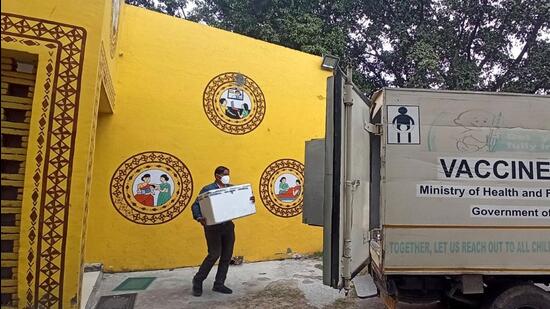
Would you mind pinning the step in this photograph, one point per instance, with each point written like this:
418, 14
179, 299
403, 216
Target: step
17, 131
10, 204
17, 177
15, 99
90, 284
19, 81
15, 157
9, 263
11, 150
16, 105
19, 75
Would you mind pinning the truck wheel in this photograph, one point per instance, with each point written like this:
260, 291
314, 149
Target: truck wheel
522, 297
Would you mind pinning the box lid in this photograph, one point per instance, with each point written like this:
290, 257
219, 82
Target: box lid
223, 190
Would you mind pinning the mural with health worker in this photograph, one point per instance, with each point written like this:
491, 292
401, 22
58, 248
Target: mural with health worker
122, 116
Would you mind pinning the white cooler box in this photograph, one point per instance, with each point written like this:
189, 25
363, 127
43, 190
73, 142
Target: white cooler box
226, 204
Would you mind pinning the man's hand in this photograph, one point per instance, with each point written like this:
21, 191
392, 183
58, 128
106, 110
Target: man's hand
253, 199
202, 220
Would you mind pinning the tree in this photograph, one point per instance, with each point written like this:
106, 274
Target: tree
296, 24
490, 45
170, 7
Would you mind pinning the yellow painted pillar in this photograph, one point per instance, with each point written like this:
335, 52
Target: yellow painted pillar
56, 178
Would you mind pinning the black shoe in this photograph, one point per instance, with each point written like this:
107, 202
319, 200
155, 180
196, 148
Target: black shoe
197, 288
222, 289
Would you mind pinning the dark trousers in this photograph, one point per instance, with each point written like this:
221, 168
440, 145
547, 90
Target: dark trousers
220, 239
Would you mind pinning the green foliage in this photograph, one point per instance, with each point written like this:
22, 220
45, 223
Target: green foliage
489, 45
170, 7
296, 24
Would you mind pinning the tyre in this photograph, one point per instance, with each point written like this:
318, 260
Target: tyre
522, 297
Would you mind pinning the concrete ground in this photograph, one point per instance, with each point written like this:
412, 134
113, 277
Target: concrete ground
273, 284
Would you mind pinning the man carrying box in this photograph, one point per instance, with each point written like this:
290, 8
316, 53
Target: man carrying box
220, 239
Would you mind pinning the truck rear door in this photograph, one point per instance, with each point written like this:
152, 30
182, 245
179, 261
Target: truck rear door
346, 182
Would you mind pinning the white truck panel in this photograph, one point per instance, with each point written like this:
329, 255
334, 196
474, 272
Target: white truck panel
466, 167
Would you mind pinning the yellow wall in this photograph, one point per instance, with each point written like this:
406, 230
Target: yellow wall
149, 96
76, 17
163, 68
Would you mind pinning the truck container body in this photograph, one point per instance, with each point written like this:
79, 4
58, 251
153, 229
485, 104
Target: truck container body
435, 194
466, 188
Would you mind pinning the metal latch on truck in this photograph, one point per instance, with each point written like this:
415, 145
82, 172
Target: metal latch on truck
374, 128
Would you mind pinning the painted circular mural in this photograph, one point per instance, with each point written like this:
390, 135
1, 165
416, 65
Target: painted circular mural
234, 103
281, 187
151, 188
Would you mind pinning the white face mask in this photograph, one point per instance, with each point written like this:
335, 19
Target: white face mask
225, 179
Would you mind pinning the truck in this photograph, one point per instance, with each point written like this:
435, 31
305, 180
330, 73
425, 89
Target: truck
428, 195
